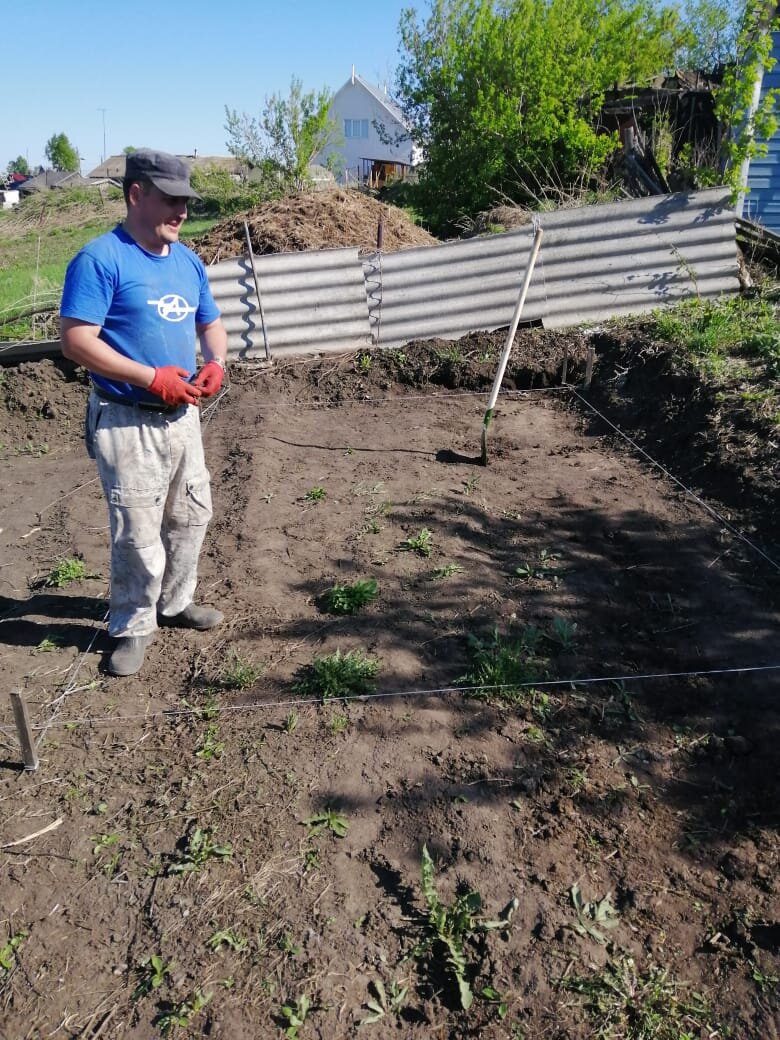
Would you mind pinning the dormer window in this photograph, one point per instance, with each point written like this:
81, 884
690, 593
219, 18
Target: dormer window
356, 128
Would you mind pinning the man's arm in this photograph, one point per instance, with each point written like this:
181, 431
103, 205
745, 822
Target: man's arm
213, 341
81, 342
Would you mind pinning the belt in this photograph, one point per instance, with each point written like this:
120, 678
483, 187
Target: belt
160, 409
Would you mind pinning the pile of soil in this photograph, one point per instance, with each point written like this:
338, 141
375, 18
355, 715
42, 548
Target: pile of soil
312, 220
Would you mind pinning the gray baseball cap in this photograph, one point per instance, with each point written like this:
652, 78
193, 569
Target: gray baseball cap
167, 172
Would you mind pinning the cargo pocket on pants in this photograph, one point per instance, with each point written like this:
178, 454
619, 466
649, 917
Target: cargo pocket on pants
198, 502
137, 516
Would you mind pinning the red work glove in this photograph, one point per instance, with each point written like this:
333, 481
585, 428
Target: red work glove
209, 378
170, 383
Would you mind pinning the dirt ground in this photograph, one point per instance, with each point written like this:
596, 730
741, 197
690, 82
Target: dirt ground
228, 856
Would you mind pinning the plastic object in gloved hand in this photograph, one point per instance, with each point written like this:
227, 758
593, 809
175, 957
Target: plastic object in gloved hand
209, 378
170, 383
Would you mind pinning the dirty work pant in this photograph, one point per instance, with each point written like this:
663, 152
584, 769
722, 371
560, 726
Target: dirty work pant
159, 503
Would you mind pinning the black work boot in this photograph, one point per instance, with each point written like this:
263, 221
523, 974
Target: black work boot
193, 616
128, 655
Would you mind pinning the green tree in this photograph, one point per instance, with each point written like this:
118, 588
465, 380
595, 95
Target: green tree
502, 95
747, 126
61, 153
289, 134
19, 165
709, 40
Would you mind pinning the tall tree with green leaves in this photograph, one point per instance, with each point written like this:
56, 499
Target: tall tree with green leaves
503, 95
19, 165
288, 135
62, 154
749, 121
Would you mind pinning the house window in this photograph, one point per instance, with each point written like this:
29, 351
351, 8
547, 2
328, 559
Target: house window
356, 128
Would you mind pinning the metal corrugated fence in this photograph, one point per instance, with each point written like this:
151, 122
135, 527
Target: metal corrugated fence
596, 262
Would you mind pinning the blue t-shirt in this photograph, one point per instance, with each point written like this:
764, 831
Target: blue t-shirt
146, 305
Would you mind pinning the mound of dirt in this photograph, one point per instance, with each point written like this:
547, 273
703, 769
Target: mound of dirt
312, 220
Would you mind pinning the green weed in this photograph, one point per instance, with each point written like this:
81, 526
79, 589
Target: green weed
421, 543
240, 674
449, 570
327, 820
226, 937
181, 1014
315, 494
339, 675
48, 644
198, 850
448, 928
8, 951
349, 599
593, 918
211, 746
290, 723
151, 973
504, 668
66, 573
625, 1004
382, 1003
295, 1014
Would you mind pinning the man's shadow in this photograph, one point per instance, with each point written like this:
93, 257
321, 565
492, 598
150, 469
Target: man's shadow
74, 620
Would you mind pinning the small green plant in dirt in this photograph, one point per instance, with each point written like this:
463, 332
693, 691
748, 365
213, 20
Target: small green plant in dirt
421, 543
564, 633
48, 644
8, 950
338, 724
593, 918
239, 673
542, 568
327, 820
295, 1014
766, 983
632, 1005
449, 570
151, 973
65, 573
449, 928
290, 723
103, 843
315, 494
504, 667
180, 1015
204, 712
211, 746
226, 937
198, 850
339, 675
349, 599
383, 1002
364, 362
30, 448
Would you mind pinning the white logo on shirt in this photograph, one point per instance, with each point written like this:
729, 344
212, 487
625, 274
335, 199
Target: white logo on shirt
172, 307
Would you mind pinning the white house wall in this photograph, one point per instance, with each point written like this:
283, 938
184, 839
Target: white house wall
353, 101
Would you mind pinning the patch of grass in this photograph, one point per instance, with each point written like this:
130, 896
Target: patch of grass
714, 333
240, 674
503, 668
626, 1004
421, 543
339, 675
315, 494
349, 599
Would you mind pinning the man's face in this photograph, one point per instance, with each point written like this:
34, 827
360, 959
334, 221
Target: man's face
157, 215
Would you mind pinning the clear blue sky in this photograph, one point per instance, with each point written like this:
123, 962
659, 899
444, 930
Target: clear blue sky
164, 70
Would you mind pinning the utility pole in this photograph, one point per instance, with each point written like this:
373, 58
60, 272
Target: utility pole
103, 156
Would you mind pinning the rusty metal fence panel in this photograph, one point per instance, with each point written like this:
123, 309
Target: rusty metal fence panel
313, 302
596, 262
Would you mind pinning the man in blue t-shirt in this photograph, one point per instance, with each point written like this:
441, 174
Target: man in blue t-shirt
134, 304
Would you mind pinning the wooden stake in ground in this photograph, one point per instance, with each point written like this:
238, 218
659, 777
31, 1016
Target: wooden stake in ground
29, 754
510, 340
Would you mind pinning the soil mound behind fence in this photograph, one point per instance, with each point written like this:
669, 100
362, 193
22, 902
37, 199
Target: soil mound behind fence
312, 220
